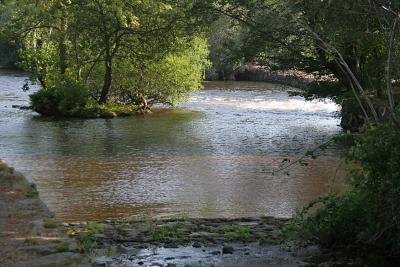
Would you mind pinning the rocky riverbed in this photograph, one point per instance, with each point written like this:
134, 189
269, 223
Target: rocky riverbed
191, 242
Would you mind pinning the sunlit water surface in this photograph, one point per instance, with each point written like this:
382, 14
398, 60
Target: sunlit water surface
213, 157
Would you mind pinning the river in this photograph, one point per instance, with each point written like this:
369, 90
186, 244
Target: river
211, 157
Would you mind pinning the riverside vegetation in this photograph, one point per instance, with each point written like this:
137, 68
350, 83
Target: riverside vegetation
108, 58
92, 58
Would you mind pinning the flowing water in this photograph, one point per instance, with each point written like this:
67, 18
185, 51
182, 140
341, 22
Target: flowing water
211, 157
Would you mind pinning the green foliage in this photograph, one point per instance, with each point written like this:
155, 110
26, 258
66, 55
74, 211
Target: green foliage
88, 241
237, 233
8, 53
71, 99
50, 224
87, 238
66, 99
95, 227
62, 247
100, 44
167, 80
366, 214
174, 231
225, 44
8, 46
120, 110
40, 64
337, 223
323, 89
282, 35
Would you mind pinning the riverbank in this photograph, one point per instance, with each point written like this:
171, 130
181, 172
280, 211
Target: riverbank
191, 242
200, 242
31, 236
29, 233
292, 78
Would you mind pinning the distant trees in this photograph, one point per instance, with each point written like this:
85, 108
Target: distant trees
281, 32
226, 43
8, 48
356, 41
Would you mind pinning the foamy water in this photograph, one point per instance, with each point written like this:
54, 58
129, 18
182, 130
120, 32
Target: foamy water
272, 104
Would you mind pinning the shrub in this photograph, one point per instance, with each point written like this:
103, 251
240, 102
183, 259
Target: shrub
66, 99
366, 215
71, 99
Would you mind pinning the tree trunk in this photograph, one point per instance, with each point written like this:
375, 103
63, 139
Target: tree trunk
143, 102
389, 65
63, 56
107, 81
62, 47
221, 75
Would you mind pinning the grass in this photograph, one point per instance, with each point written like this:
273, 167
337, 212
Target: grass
174, 231
62, 247
237, 233
109, 110
120, 110
181, 217
95, 227
50, 224
87, 239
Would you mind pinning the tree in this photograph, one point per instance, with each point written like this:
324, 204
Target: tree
89, 43
40, 28
167, 80
225, 44
110, 31
307, 35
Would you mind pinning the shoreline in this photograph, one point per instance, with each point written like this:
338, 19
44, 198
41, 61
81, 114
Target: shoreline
293, 78
31, 236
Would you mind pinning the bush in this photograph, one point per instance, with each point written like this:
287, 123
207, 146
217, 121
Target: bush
71, 99
66, 99
366, 215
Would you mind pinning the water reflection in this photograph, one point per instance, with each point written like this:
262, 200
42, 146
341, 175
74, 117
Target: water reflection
212, 157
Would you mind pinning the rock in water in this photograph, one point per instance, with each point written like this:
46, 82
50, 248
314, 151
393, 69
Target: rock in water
227, 250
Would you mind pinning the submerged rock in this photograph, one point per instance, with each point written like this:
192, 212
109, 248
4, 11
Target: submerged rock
103, 261
227, 250
196, 245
